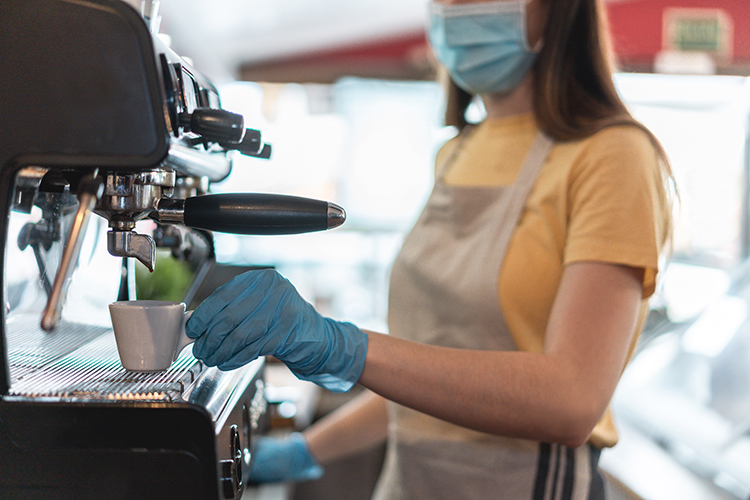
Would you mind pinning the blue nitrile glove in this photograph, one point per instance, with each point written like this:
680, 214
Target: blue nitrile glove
278, 460
260, 313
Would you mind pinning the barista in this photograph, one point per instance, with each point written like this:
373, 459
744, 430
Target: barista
516, 300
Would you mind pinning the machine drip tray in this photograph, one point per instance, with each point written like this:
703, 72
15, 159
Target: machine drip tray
80, 363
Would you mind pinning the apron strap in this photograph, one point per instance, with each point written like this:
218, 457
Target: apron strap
442, 167
521, 188
537, 156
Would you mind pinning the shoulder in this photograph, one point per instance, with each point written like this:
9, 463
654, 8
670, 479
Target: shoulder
620, 145
619, 175
619, 155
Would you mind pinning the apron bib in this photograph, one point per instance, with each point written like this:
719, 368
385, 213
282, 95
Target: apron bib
444, 291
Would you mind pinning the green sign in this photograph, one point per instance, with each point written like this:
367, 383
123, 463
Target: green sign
704, 34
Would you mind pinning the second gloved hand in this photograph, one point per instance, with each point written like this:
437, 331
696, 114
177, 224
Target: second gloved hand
260, 313
283, 459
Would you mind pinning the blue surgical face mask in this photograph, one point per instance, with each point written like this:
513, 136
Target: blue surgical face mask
483, 45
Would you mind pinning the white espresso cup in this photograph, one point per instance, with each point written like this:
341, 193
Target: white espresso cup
150, 334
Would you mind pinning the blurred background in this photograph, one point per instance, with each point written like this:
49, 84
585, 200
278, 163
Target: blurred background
344, 91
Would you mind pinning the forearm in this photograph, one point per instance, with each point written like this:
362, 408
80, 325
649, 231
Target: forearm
525, 395
357, 426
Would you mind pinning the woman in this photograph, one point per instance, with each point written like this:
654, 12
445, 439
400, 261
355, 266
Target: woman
519, 295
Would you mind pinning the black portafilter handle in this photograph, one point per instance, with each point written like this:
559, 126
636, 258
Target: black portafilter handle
252, 213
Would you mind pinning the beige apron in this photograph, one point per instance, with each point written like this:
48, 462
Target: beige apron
444, 291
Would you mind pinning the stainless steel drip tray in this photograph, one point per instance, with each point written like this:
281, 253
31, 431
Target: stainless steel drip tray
80, 363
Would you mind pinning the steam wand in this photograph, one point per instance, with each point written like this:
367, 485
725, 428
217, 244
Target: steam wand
90, 190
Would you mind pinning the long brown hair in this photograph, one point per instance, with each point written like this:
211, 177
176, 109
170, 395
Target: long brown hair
574, 92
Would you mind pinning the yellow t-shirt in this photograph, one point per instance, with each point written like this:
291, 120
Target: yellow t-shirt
596, 199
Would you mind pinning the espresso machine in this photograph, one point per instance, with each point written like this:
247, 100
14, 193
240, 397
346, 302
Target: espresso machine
109, 145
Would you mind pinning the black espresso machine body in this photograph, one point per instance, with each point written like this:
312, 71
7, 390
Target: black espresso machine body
104, 130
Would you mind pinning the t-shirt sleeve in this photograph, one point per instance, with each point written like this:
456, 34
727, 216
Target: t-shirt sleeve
617, 208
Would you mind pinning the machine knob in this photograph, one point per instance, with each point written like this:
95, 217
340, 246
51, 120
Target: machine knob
214, 125
250, 145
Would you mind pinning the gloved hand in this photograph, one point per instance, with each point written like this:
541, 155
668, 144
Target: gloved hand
280, 460
260, 313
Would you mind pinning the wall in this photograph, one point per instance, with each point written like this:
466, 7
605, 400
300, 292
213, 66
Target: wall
644, 29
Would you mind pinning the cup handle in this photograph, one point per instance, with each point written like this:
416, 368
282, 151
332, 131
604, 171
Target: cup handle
184, 339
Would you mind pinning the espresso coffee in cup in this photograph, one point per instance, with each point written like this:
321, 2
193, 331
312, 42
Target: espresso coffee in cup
150, 334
